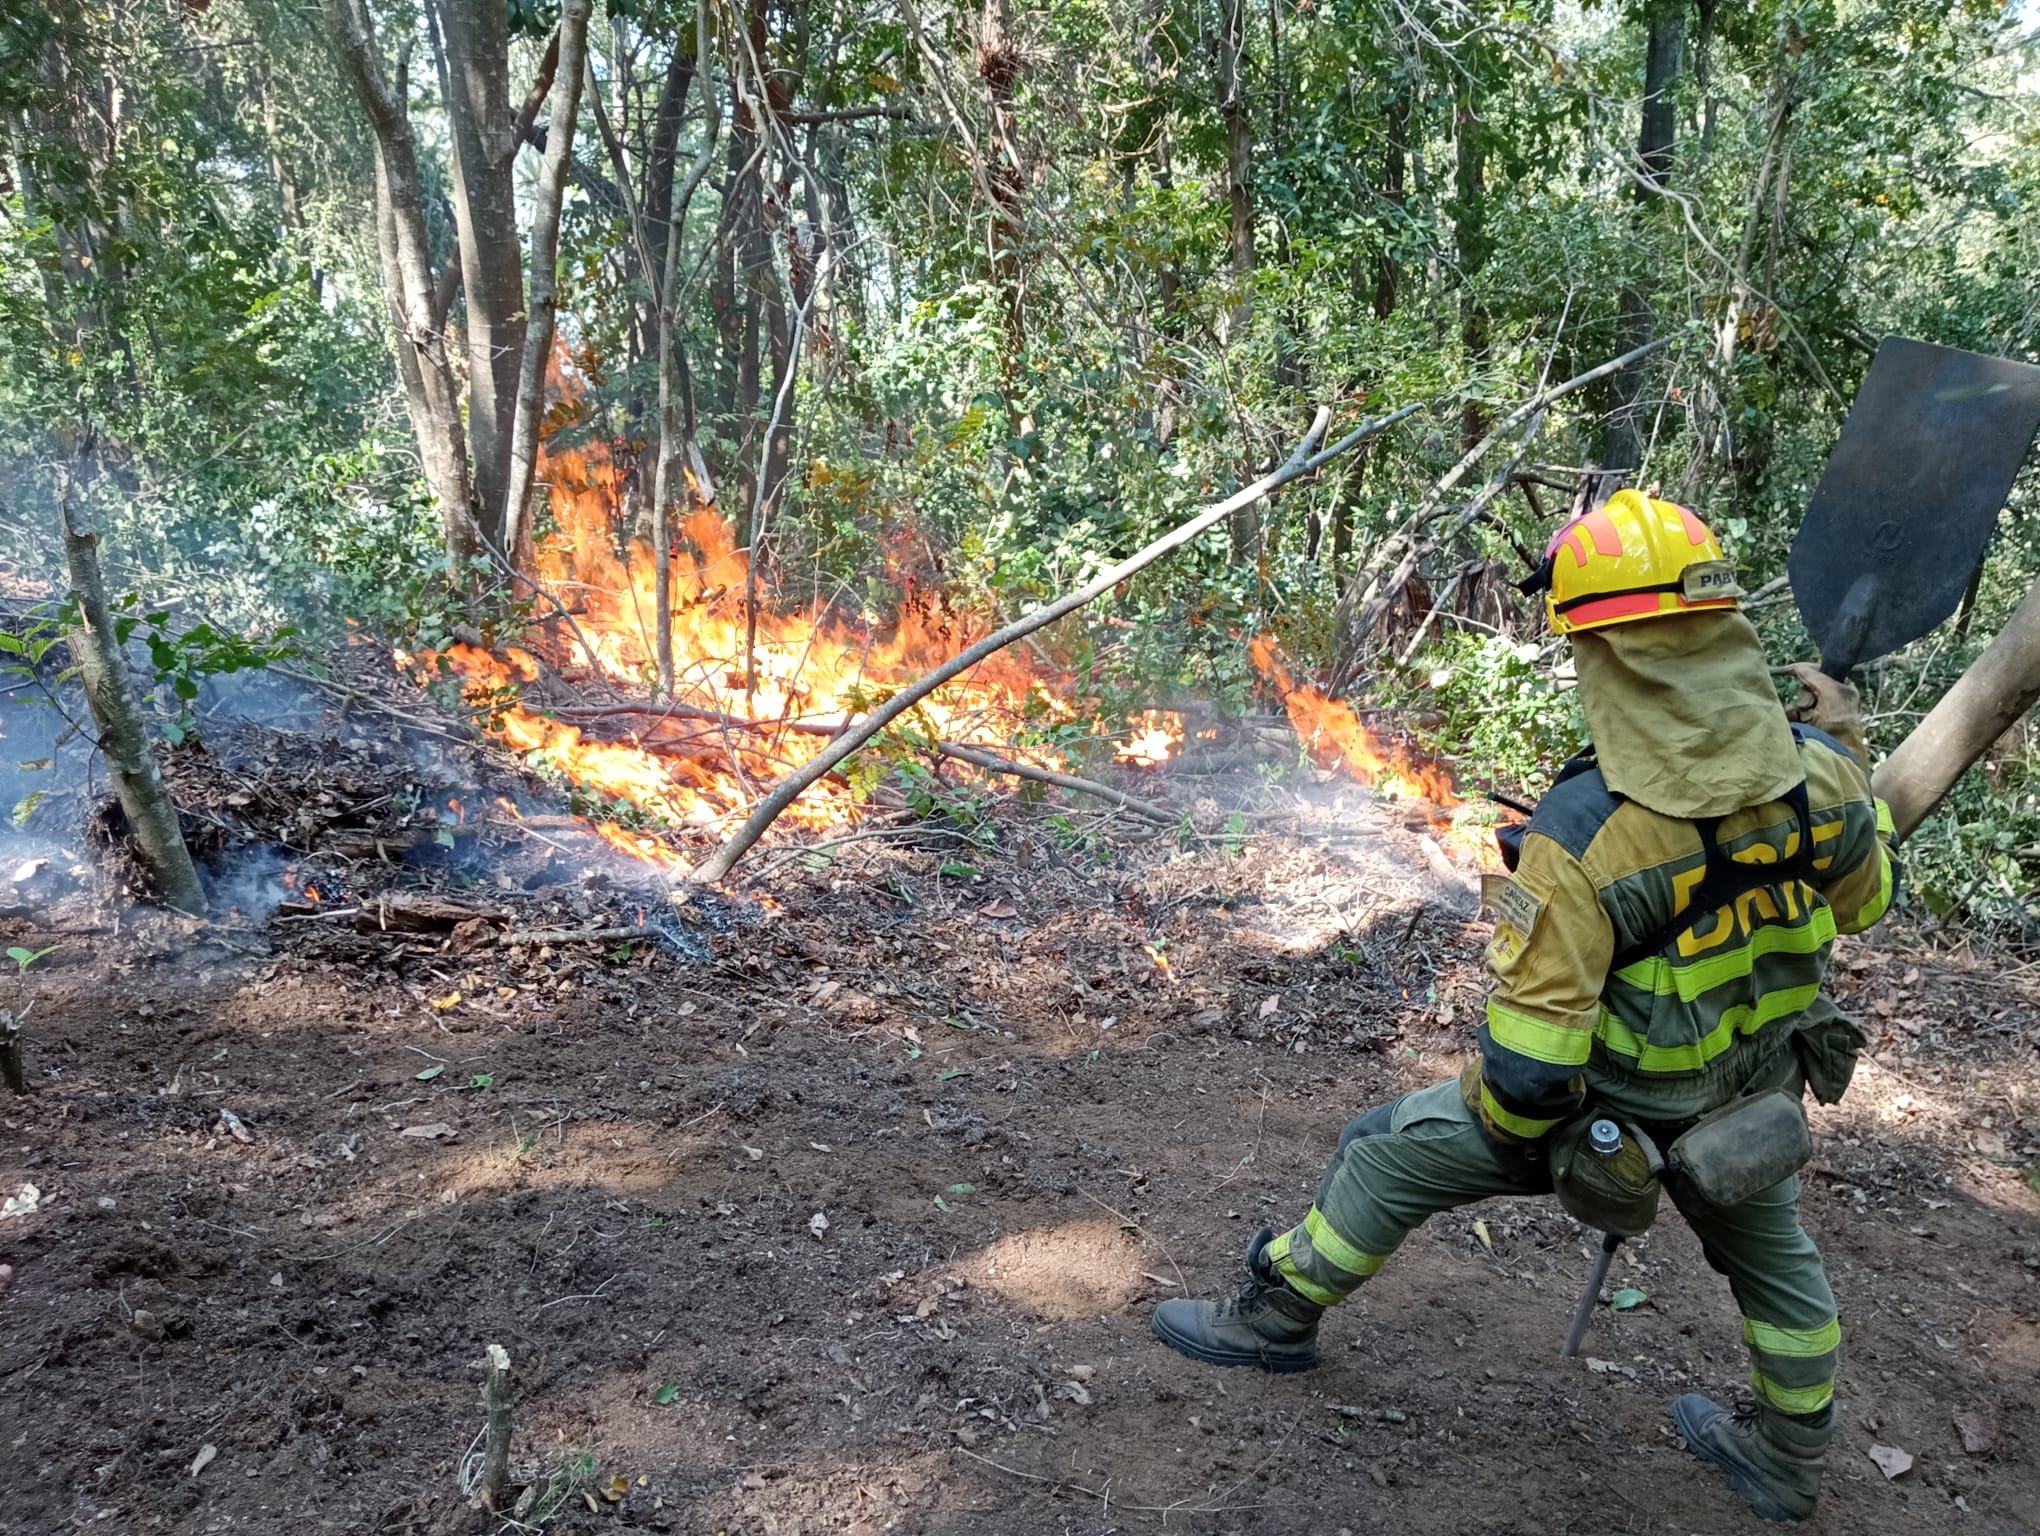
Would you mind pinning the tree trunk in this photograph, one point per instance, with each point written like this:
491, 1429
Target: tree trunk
484, 141
1999, 687
998, 64
545, 278
1387, 270
1622, 441
422, 361
676, 390
1239, 153
1470, 235
123, 734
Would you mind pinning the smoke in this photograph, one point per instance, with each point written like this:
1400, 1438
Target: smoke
251, 887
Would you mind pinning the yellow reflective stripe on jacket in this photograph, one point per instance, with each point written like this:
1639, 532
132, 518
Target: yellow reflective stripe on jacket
1525, 1127
1793, 1343
1876, 906
1331, 1246
1794, 1400
1886, 827
1560, 1045
1654, 973
1743, 1019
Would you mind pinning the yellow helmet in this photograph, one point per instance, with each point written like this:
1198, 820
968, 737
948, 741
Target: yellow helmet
1633, 557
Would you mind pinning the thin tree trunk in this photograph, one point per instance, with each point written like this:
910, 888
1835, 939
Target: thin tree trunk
1622, 439
998, 66
1470, 235
423, 363
123, 733
545, 278
1387, 270
1710, 425
1239, 154
484, 141
674, 391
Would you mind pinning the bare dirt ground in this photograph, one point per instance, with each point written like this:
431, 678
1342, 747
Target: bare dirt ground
852, 1221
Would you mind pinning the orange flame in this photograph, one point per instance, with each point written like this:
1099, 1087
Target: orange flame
1335, 738
785, 668
1155, 735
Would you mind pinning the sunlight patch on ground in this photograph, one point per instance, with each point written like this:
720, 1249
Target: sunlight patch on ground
1079, 1269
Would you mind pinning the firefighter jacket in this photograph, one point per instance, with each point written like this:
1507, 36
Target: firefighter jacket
1612, 981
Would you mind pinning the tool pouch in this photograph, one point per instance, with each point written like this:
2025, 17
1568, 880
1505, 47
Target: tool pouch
1742, 1148
1828, 1043
1617, 1192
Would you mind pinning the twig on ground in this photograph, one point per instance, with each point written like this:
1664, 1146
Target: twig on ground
1260, 1126
569, 936
357, 696
1183, 1507
1148, 1236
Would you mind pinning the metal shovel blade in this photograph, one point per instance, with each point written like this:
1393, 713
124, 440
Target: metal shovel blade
1909, 497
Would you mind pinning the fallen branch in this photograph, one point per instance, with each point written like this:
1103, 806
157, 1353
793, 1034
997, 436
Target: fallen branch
1161, 815
1368, 594
571, 936
790, 788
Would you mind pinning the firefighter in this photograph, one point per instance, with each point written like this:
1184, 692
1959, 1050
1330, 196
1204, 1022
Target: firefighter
1656, 961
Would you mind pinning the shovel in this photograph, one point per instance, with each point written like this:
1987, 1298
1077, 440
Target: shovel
1910, 496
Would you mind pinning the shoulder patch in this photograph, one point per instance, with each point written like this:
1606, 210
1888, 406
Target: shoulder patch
1516, 914
1512, 902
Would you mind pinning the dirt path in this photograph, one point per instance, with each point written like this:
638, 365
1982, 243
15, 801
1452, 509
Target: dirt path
856, 1226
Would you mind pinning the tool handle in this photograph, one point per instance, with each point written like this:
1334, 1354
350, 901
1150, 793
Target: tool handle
1584, 1312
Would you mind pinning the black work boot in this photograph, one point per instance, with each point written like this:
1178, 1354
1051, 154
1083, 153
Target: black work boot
1772, 1459
1266, 1323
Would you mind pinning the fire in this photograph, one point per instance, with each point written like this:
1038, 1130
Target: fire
759, 691
1156, 733
1334, 736
312, 894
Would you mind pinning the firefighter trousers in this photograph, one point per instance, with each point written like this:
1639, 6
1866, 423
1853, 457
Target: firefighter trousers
1426, 1152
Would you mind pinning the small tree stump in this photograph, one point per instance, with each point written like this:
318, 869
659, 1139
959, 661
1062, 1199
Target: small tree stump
496, 1445
11, 1067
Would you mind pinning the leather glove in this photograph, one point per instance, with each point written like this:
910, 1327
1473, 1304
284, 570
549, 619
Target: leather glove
1830, 706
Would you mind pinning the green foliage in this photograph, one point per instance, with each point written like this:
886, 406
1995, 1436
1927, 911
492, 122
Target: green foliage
24, 958
1494, 702
181, 656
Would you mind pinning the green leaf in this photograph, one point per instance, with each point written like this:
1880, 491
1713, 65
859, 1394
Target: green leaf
27, 957
963, 1189
173, 732
11, 644
665, 1392
1629, 1296
952, 1072
185, 688
942, 1204
444, 837
25, 807
482, 1080
432, 1071
959, 871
